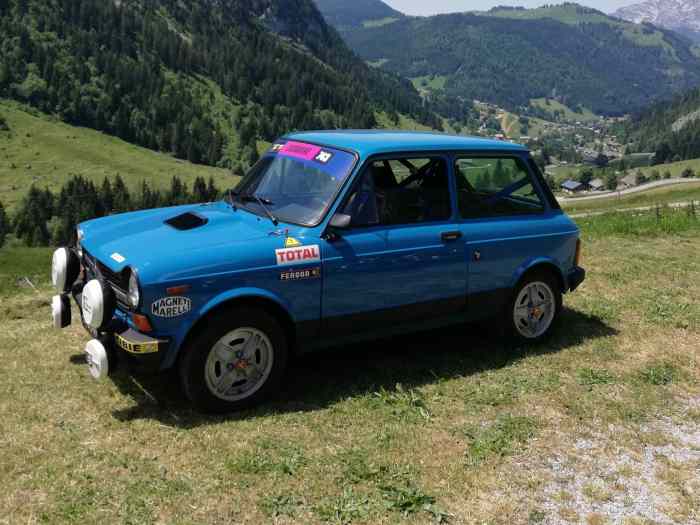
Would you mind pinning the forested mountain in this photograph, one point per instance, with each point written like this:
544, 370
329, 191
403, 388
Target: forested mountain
203, 79
670, 129
344, 14
509, 56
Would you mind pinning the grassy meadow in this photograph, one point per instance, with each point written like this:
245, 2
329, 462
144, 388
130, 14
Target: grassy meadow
45, 152
599, 425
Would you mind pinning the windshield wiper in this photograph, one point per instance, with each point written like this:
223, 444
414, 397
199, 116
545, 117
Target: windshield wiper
263, 202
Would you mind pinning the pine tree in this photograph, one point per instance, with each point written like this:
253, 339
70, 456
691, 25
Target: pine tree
4, 225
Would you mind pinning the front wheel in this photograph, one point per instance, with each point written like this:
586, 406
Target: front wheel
534, 308
236, 363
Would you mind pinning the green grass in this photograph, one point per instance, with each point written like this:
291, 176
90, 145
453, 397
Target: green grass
647, 223
510, 123
569, 115
429, 83
499, 438
567, 14
377, 63
41, 151
405, 123
379, 22
451, 425
19, 263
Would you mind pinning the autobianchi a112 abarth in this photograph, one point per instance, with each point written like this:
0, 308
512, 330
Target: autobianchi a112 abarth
330, 238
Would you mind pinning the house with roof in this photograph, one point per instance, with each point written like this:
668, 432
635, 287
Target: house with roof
597, 185
572, 186
628, 181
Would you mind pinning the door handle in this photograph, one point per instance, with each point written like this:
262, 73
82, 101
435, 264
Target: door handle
451, 236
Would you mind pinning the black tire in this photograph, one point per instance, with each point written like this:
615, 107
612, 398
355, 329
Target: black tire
542, 276
193, 360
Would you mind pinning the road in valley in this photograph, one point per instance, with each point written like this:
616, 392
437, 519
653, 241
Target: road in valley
637, 189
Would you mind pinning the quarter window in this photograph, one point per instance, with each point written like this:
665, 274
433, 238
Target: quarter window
491, 187
400, 191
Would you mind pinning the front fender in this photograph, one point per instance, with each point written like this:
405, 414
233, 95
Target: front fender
209, 306
539, 261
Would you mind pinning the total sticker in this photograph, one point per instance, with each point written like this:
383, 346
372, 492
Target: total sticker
302, 254
170, 307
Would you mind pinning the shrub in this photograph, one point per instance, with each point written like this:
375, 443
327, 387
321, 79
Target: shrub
688, 173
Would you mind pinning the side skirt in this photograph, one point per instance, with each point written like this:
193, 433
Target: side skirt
354, 328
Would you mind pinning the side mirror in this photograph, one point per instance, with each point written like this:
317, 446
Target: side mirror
340, 221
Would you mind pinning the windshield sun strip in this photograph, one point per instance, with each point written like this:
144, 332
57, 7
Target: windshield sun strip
260, 213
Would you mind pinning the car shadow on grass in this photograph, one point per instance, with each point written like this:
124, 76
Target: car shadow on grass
319, 380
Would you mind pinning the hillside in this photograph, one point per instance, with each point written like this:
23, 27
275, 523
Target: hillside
670, 129
506, 56
203, 80
36, 150
341, 13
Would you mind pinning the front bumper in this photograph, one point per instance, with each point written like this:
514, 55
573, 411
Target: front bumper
143, 353
576, 278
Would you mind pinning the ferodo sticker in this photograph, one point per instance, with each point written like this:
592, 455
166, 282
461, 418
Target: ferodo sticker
300, 275
170, 307
301, 254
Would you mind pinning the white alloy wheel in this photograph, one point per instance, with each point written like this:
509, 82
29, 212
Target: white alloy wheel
239, 364
534, 310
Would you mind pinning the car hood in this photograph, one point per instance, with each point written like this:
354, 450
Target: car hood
140, 238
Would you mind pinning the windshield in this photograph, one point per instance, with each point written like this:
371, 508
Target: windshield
294, 181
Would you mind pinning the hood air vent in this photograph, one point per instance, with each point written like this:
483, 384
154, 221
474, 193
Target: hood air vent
187, 221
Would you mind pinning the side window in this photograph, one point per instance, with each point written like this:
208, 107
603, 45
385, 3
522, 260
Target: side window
492, 187
400, 191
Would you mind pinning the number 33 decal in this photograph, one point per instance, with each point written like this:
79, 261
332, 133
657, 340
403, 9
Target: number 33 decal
323, 157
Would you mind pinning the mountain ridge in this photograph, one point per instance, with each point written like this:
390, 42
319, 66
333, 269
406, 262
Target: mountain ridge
679, 15
505, 56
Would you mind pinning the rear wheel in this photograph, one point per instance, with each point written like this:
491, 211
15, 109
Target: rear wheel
236, 363
535, 307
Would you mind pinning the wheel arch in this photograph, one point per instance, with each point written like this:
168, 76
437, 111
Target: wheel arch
251, 299
536, 265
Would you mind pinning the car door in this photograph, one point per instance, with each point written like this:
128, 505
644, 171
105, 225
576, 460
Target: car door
505, 223
401, 259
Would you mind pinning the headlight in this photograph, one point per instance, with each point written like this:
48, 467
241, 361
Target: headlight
134, 292
65, 268
98, 304
79, 236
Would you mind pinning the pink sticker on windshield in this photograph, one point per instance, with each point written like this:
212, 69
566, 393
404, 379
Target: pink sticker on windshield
300, 150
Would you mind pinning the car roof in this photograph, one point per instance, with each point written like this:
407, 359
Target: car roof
373, 142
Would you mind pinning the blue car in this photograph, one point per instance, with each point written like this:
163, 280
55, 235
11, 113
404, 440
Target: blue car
332, 237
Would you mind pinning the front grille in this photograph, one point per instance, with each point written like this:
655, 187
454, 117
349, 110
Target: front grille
119, 282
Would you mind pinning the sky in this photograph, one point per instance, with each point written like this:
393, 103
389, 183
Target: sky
421, 7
